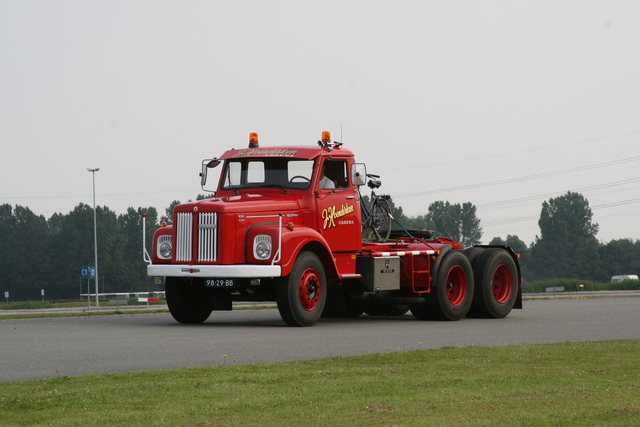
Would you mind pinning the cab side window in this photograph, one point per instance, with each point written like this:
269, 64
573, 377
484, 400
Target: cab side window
334, 174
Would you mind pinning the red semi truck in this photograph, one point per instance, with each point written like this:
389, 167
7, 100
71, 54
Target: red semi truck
288, 224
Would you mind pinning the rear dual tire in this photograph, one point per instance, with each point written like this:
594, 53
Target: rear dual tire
496, 278
452, 295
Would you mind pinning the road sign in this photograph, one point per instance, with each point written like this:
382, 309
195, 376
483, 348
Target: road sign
88, 272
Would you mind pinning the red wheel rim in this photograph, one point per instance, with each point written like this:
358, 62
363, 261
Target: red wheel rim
309, 289
456, 285
502, 283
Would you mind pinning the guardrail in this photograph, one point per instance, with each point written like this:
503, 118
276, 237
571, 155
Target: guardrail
115, 295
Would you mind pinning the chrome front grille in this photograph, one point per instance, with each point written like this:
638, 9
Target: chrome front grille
207, 237
184, 236
207, 233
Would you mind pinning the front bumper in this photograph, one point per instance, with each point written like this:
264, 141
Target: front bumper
246, 271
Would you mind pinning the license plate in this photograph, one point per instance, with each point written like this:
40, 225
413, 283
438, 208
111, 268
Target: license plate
219, 283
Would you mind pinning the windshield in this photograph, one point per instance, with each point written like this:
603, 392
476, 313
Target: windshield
267, 172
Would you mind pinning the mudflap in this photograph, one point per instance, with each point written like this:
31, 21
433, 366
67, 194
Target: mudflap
518, 302
335, 297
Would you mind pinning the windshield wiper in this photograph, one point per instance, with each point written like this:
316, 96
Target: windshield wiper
274, 186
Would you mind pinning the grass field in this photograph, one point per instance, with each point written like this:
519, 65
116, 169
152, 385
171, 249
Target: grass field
573, 384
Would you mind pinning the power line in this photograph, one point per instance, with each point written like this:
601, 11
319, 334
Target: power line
509, 221
619, 215
516, 230
520, 179
613, 204
602, 206
545, 196
530, 217
516, 152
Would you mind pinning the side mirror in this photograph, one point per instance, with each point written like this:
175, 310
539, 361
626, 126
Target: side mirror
207, 164
359, 174
203, 174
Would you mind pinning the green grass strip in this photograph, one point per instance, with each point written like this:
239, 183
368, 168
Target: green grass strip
569, 384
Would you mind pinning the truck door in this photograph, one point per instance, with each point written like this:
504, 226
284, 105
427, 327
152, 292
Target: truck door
338, 207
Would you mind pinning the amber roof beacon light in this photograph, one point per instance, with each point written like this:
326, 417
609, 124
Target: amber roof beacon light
253, 140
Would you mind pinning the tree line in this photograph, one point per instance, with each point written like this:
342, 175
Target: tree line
38, 253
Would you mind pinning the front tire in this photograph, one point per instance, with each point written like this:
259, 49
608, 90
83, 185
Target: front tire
187, 303
302, 295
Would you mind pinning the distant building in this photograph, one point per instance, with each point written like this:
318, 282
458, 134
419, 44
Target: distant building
624, 277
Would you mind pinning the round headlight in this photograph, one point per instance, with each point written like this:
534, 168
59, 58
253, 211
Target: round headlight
263, 250
165, 250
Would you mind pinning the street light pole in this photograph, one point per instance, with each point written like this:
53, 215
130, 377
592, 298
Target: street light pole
95, 230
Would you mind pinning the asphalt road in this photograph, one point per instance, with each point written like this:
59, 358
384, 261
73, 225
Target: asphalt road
71, 346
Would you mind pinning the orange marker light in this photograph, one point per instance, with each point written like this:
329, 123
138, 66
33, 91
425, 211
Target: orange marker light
253, 140
290, 226
326, 136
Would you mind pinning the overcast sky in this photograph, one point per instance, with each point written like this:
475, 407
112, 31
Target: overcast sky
500, 103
